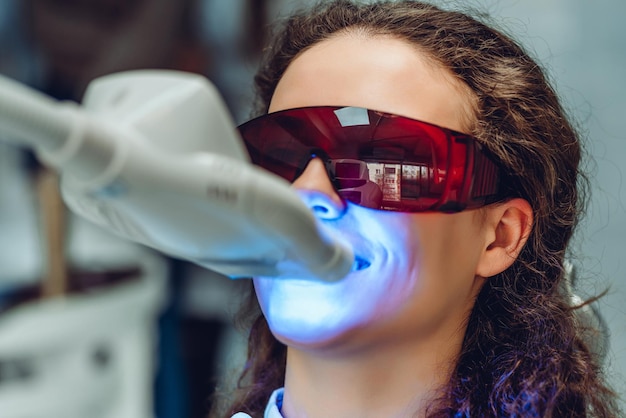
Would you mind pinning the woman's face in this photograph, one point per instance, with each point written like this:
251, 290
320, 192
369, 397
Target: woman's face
421, 279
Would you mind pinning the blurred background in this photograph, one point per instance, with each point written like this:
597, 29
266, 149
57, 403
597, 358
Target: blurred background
94, 326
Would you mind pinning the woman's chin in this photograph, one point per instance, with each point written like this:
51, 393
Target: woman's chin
309, 335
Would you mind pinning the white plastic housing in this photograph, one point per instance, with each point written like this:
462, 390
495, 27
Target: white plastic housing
155, 156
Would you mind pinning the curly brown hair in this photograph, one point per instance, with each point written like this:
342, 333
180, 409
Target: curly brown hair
523, 354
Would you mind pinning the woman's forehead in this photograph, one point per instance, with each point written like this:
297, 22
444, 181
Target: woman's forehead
378, 72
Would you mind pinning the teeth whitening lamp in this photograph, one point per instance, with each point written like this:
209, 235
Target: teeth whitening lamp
155, 157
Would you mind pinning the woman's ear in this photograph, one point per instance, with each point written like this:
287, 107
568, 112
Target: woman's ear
508, 226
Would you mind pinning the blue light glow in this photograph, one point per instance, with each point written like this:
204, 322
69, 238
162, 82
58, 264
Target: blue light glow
306, 312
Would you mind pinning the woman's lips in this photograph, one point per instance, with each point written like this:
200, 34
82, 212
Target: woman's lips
365, 252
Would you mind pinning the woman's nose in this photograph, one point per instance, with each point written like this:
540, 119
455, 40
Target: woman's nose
317, 191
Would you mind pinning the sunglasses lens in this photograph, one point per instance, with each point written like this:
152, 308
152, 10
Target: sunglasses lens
374, 159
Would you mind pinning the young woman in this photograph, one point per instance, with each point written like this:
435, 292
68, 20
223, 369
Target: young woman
435, 147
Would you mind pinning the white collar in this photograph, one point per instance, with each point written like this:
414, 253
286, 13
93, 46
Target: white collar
275, 404
272, 410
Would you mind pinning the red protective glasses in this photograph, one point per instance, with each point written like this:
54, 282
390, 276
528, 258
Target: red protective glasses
375, 159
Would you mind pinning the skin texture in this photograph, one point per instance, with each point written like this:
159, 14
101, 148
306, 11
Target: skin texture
385, 337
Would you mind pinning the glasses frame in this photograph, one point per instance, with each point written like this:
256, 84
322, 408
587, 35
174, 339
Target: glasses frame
457, 172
